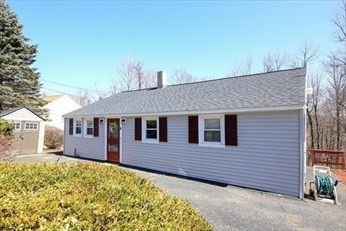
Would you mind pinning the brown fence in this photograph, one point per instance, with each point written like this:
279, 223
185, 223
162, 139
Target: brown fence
330, 158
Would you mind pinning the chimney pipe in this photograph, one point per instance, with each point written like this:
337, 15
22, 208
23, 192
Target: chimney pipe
161, 79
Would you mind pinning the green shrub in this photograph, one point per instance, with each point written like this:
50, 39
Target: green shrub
87, 197
6, 128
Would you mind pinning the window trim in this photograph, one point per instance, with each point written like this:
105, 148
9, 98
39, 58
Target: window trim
85, 130
75, 126
31, 129
144, 129
201, 129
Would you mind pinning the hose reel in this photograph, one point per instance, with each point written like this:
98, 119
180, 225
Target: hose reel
324, 189
325, 186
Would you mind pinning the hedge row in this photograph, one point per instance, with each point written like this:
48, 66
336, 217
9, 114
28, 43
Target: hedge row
87, 197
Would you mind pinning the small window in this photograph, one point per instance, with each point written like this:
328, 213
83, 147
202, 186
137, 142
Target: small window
212, 130
151, 129
16, 126
78, 127
89, 127
31, 126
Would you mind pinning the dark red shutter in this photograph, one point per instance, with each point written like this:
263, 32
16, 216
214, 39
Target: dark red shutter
71, 126
193, 129
163, 129
231, 130
96, 127
138, 128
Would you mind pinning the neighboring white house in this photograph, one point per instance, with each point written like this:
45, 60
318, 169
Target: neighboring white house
28, 129
59, 105
245, 130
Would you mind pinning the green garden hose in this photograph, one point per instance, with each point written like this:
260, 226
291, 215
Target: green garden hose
325, 186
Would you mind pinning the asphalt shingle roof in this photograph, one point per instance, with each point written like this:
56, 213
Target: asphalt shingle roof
275, 89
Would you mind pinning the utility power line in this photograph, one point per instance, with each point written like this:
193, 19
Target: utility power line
71, 86
61, 92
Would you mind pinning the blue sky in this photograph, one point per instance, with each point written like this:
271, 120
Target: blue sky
82, 42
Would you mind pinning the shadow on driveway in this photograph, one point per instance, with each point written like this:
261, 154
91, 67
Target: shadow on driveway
235, 208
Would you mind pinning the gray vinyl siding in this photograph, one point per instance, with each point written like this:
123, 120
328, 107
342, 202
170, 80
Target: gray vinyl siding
266, 158
87, 147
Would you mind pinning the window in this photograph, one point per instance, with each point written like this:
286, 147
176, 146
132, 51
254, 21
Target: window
89, 127
78, 127
31, 126
211, 130
150, 130
16, 126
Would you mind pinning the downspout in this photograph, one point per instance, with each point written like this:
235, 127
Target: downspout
65, 130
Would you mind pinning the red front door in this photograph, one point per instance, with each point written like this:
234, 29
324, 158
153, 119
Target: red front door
113, 147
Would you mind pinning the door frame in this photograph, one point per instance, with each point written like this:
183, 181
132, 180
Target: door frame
120, 137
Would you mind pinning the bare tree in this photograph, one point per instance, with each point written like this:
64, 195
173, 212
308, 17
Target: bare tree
242, 68
336, 72
98, 94
313, 111
339, 20
274, 61
181, 76
306, 53
113, 87
132, 75
149, 79
126, 74
83, 97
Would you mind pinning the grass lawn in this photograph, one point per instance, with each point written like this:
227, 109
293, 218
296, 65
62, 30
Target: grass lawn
88, 197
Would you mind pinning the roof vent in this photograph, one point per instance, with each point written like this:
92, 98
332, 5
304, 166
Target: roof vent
161, 79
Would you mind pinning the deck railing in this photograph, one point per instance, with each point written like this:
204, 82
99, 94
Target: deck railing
330, 158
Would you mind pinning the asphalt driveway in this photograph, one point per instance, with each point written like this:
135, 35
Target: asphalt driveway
234, 208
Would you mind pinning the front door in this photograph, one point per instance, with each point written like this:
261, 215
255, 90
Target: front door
113, 147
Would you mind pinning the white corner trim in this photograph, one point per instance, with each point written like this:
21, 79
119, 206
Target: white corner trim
106, 136
120, 141
302, 152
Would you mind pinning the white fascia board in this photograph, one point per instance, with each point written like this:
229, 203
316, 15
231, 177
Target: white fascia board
218, 111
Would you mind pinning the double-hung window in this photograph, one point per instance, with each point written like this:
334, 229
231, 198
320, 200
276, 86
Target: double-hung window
211, 132
150, 129
78, 127
89, 127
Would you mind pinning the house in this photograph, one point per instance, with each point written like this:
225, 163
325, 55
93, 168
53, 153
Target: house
28, 129
57, 106
247, 131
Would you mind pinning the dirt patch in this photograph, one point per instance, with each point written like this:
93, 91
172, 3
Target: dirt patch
340, 174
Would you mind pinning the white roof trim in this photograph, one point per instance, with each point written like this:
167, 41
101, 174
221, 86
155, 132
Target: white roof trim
220, 111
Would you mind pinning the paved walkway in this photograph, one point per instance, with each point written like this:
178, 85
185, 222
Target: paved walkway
234, 208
